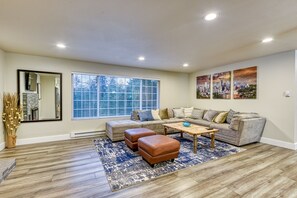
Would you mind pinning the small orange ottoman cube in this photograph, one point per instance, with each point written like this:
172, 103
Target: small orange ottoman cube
158, 148
132, 136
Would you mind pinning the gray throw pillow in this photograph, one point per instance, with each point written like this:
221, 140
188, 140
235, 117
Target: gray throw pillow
145, 116
197, 114
230, 116
209, 115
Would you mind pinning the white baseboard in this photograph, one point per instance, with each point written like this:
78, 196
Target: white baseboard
2, 146
279, 143
42, 139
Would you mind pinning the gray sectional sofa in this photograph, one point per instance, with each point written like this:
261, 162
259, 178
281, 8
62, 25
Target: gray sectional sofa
244, 128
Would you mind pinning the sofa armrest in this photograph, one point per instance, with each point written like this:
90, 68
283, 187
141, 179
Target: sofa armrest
251, 130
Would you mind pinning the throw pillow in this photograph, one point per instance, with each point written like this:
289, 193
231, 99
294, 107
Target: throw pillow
230, 116
155, 114
209, 115
179, 113
170, 113
145, 116
134, 115
163, 114
188, 111
197, 114
221, 117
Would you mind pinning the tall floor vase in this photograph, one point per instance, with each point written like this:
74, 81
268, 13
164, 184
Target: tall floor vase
11, 140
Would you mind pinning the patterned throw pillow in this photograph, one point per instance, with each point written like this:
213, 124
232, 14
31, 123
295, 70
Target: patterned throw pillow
134, 115
197, 114
179, 113
164, 114
188, 111
209, 115
230, 116
221, 117
155, 114
145, 116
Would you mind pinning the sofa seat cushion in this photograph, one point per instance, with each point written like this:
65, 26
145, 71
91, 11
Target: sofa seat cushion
198, 121
152, 122
173, 120
122, 123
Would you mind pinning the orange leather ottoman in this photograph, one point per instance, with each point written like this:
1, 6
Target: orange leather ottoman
132, 136
158, 148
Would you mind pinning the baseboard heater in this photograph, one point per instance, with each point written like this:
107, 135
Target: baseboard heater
86, 134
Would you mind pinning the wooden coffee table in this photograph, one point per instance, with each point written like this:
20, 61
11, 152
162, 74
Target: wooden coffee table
194, 130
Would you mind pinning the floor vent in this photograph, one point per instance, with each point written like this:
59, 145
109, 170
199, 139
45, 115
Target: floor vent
86, 134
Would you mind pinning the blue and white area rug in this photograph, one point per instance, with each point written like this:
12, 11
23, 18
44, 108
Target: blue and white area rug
124, 168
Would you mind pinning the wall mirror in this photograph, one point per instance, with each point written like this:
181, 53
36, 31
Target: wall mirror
40, 95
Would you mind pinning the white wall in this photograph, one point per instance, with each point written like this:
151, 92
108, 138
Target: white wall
276, 73
1, 97
173, 86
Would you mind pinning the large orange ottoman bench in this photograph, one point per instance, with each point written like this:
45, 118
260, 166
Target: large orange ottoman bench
132, 136
158, 148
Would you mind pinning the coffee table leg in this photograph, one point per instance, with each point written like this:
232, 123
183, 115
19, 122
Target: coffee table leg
195, 143
212, 135
181, 134
165, 130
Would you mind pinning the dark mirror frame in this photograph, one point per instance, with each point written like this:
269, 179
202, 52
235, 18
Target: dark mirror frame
61, 106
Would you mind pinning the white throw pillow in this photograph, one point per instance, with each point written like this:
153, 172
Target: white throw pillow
155, 114
188, 111
179, 113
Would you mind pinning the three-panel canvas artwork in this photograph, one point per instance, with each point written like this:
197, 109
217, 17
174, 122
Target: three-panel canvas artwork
219, 86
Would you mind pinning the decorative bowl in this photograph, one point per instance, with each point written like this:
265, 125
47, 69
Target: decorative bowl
186, 124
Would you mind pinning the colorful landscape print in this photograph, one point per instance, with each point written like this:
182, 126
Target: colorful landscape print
245, 83
203, 87
221, 85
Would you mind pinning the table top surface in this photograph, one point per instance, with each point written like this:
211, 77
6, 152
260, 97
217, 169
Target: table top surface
192, 129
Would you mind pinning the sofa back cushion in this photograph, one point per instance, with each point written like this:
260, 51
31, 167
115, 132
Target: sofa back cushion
197, 114
163, 114
209, 115
221, 117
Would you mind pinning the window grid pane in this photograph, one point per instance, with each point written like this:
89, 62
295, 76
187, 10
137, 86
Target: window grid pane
84, 95
104, 96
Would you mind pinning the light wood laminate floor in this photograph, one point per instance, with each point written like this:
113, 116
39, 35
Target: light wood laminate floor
72, 169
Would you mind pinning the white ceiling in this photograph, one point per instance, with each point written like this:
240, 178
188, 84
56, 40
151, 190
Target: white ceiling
167, 32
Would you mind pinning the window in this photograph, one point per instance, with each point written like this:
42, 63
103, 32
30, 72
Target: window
107, 96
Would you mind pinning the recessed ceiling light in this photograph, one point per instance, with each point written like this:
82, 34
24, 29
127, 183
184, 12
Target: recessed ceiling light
61, 45
141, 58
267, 40
210, 16
185, 65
